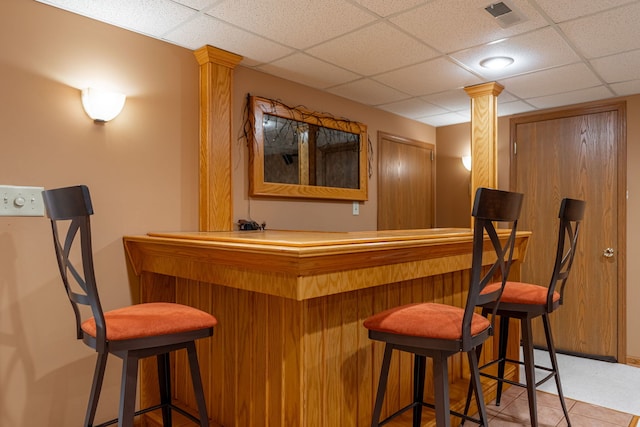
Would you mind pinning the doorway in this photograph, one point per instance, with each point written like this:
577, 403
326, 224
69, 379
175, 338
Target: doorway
578, 153
405, 183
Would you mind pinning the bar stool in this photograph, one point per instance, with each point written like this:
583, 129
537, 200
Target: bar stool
130, 333
438, 331
525, 301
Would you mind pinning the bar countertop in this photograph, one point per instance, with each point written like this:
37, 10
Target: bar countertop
307, 263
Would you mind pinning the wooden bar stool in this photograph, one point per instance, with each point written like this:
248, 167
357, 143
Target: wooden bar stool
130, 333
525, 301
438, 331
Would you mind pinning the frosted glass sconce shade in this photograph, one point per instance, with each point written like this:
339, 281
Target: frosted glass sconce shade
466, 162
101, 105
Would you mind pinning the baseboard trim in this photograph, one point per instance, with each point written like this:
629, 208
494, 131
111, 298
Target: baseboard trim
633, 361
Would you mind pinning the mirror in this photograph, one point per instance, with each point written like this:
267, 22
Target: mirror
299, 153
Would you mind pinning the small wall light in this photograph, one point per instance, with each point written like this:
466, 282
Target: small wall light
101, 105
466, 162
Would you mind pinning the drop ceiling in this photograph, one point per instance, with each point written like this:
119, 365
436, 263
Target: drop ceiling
408, 57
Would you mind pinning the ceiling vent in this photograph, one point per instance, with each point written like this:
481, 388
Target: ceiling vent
505, 14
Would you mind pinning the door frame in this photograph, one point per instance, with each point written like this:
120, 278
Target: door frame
620, 107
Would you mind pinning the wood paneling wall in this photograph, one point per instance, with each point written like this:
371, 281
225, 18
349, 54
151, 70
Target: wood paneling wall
279, 362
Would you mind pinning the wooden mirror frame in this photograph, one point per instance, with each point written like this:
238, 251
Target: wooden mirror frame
257, 185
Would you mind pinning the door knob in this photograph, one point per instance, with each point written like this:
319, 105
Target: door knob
608, 253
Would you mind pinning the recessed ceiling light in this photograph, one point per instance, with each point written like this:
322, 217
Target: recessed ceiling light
496, 62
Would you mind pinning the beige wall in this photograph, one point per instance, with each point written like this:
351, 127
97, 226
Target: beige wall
453, 140
142, 169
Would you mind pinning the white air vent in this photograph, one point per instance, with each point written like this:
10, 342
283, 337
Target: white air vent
505, 14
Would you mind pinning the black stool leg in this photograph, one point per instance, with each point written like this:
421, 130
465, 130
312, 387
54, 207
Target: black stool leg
502, 354
382, 385
197, 384
441, 389
164, 380
467, 404
419, 368
477, 385
529, 368
554, 364
128, 390
96, 387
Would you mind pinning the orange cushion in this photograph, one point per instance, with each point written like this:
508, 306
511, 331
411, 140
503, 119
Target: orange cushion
522, 293
428, 320
151, 319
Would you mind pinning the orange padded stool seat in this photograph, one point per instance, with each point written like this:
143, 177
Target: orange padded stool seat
526, 301
438, 331
130, 333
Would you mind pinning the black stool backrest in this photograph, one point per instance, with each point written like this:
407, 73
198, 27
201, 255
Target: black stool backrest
571, 215
71, 208
490, 207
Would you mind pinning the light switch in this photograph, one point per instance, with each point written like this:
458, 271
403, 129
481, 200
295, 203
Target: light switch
356, 208
21, 201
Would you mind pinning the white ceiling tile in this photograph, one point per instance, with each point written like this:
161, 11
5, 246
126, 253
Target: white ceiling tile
389, 7
561, 11
556, 80
605, 33
368, 92
309, 71
207, 30
445, 119
619, 68
453, 100
505, 96
147, 17
373, 49
429, 77
540, 49
295, 23
573, 97
626, 88
412, 108
515, 107
452, 25
197, 4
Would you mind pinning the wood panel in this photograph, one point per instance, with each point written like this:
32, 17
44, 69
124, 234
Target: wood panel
216, 89
484, 135
580, 152
405, 183
265, 348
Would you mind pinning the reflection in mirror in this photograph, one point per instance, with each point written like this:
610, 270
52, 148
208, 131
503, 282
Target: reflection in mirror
297, 153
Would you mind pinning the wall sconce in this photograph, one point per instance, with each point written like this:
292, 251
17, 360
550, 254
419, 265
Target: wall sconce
101, 105
466, 162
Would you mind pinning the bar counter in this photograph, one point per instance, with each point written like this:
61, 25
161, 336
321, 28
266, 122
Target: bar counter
290, 348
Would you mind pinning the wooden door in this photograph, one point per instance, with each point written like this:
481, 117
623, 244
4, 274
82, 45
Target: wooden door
405, 183
577, 153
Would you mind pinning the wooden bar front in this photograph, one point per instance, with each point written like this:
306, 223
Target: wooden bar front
290, 348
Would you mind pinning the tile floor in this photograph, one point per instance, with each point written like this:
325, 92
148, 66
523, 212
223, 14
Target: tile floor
514, 411
596, 393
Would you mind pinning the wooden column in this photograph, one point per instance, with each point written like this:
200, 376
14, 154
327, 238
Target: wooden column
216, 114
484, 135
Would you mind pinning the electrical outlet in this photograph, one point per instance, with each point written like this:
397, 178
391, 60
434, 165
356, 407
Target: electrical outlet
21, 201
356, 208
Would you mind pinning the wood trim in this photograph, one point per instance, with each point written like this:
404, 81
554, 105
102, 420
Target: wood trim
216, 114
304, 272
619, 106
484, 135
